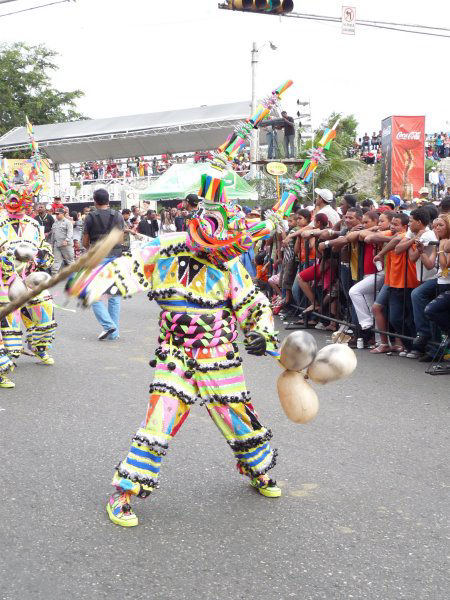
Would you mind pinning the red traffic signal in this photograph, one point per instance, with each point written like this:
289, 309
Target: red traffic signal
274, 7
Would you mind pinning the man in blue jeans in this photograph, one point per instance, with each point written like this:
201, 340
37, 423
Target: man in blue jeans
99, 223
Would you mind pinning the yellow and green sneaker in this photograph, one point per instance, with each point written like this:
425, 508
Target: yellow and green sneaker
45, 358
266, 486
120, 511
6, 383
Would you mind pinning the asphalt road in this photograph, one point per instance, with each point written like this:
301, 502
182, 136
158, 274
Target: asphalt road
365, 505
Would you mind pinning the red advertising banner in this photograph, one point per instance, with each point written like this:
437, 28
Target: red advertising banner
408, 156
386, 157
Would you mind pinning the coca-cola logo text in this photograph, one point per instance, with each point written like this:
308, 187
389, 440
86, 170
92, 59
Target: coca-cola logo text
412, 135
386, 131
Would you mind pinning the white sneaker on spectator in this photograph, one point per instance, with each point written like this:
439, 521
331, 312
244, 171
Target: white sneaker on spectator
104, 334
403, 353
320, 326
414, 354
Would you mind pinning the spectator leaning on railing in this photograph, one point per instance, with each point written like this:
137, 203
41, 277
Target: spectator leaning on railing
427, 291
401, 279
420, 236
320, 269
348, 272
372, 285
438, 310
303, 251
380, 306
288, 264
362, 294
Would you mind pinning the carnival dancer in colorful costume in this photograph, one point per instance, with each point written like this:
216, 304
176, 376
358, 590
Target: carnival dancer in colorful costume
24, 258
204, 294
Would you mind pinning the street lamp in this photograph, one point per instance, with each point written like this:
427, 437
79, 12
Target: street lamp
254, 146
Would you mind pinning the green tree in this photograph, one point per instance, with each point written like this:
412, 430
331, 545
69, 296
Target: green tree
26, 88
338, 172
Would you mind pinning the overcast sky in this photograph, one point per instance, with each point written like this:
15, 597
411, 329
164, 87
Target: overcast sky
138, 56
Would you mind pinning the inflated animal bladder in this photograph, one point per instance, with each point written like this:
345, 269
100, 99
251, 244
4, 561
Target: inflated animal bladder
24, 252
297, 351
333, 362
33, 280
297, 398
16, 289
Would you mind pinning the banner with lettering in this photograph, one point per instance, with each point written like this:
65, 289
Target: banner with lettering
23, 167
408, 156
386, 157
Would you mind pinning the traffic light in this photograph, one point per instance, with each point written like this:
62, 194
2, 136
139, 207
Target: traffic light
273, 7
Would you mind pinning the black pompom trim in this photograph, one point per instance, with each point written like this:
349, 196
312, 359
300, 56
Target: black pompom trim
250, 443
135, 478
256, 473
164, 388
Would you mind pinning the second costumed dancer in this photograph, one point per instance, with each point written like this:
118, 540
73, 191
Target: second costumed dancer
204, 293
25, 257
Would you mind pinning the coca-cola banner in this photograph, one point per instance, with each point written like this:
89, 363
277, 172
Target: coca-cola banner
403, 156
386, 157
408, 156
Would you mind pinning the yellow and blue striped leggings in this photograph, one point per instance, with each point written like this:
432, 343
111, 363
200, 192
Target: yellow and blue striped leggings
212, 376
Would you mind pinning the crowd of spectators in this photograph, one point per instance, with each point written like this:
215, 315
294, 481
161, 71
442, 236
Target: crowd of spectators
63, 228
122, 169
377, 273
437, 180
141, 166
367, 148
437, 146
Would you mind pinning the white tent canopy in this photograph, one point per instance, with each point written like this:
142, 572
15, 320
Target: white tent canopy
187, 130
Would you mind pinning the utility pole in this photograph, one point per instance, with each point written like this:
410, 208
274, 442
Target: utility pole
254, 139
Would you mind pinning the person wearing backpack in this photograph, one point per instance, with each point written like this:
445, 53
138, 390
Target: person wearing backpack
98, 223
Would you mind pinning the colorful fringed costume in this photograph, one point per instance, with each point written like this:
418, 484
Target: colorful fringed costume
198, 360
24, 253
204, 293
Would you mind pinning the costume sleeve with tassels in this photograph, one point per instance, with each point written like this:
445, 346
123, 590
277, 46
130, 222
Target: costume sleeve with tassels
252, 309
125, 275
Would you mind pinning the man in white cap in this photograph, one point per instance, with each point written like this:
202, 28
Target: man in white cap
323, 201
433, 178
423, 195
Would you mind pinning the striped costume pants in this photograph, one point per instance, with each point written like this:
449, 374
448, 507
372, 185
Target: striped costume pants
214, 377
38, 319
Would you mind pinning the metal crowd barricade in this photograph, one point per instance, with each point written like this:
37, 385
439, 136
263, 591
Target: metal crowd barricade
338, 295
